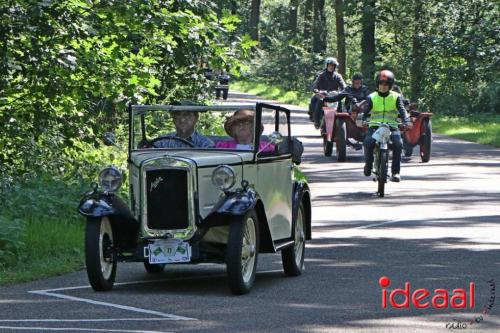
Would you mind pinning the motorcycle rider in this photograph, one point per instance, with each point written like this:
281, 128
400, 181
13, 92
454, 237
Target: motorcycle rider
385, 105
327, 80
356, 91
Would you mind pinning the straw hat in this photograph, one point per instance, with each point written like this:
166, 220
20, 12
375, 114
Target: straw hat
237, 117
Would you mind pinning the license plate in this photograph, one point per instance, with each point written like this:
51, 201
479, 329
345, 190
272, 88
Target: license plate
168, 251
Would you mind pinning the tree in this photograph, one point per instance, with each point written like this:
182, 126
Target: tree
254, 19
293, 12
319, 27
339, 24
418, 49
308, 18
368, 42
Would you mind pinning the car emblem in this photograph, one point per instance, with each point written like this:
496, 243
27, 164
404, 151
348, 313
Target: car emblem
155, 183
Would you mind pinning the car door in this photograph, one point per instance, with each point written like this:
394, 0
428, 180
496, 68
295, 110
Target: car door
275, 170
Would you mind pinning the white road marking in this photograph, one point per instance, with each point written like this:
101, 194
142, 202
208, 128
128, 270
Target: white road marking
66, 329
164, 316
112, 305
75, 320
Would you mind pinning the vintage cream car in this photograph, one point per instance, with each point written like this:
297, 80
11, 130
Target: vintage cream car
224, 203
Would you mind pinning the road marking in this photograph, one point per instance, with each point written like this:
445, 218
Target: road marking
112, 305
65, 329
75, 320
165, 316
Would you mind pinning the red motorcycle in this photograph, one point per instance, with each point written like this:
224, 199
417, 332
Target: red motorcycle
340, 127
420, 134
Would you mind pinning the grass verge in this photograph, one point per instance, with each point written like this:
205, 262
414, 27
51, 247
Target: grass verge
480, 128
276, 93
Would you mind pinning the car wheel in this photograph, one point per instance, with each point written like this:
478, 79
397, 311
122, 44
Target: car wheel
340, 140
293, 257
426, 142
154, 268
100, 257
242, 253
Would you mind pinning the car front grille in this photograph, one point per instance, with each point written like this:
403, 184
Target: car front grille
167, 199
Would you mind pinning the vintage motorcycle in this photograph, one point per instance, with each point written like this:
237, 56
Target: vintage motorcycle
382, 137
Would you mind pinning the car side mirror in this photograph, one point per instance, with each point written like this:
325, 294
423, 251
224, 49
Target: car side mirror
109, 139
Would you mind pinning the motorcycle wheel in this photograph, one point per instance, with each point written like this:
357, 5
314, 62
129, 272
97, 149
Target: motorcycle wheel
224, 94
340, 140
426, 142
382, 172
327, 146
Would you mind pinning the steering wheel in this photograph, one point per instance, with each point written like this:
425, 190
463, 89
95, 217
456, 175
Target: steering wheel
184, 141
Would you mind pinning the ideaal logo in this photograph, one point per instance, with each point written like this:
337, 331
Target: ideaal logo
440, 299
422, 298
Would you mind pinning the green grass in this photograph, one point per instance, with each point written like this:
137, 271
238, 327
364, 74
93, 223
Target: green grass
276, 93
481, 128
45, 234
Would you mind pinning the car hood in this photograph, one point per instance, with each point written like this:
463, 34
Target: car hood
199, 157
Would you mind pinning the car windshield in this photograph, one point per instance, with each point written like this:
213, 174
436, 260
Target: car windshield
207, 127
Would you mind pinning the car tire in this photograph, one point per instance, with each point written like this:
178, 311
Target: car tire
100, 258
340, 140
426, 142
293, 257
154, 268
242, 252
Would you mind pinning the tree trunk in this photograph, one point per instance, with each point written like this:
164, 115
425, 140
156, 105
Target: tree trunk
339, 24
308, 15
254, 20
368, 43
319, 27
293, 11
418, 50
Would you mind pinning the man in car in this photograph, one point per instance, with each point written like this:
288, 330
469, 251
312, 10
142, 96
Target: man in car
185, 135
328, 80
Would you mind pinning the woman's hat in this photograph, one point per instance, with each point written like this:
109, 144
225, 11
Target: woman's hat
237, 117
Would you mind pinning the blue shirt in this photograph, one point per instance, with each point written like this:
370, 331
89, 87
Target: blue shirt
198, 140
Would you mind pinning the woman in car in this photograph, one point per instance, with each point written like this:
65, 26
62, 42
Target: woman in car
240, 127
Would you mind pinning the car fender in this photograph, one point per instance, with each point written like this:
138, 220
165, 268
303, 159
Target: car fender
238, 202
99, 204
301, 193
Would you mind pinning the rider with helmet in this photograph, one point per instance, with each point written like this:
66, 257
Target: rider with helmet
327, 80
385, 105
357, 90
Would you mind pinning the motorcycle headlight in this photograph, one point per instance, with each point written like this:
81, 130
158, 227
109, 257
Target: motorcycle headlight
223, 177
110, 179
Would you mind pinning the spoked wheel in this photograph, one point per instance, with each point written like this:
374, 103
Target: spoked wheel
382, 172
340, 140
100, 257
327, 146
153, 268
242, 253
426, 142
293, 257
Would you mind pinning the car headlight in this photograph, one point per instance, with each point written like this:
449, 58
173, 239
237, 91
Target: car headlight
110, 179
223, 177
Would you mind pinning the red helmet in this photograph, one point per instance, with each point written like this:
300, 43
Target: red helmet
385, 76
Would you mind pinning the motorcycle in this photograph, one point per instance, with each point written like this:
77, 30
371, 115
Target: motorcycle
339, 126
223, 86
382, 137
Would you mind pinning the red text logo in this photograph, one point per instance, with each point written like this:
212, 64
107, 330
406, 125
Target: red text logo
423, 298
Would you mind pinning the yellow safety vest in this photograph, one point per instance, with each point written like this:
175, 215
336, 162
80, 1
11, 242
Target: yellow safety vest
384, 109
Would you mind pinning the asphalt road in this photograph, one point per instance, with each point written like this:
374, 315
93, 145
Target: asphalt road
438, 228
